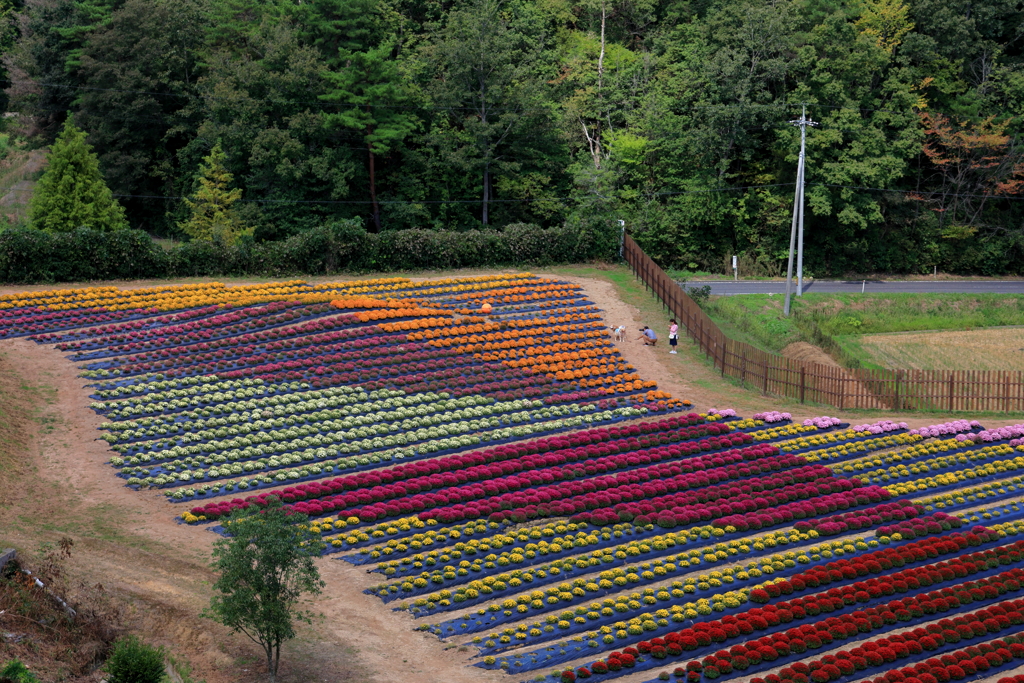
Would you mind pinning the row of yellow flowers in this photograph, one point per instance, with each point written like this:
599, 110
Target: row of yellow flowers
874, 468
845, 451
991, 469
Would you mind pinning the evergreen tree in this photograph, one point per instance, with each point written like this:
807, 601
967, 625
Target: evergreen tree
72, 192
212, 216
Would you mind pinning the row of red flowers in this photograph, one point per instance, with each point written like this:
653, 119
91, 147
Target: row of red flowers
738, 513
67, 341
356, 346
954, 666
229, 324
586, 446
369, 497
21, 321
815, 636
883, 560
898, 646
824, 632
854, 521
911, 529
612, 501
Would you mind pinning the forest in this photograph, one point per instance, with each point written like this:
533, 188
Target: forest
673, 116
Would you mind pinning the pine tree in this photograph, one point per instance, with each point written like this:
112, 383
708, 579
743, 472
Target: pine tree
72, 192
212, 217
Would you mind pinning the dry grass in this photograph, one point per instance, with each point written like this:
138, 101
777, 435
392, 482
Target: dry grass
988, 349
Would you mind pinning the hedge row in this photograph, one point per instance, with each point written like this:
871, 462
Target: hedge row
30, 256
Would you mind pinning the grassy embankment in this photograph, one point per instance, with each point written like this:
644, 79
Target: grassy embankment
841, 324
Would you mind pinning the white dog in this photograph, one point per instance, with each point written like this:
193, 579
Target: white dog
619, 333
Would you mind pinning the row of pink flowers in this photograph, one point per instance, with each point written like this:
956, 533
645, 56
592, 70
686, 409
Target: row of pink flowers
1000, 434
822, 422
947, 428
773, 416
880, 427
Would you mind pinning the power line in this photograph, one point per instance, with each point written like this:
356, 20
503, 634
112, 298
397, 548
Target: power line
921, 192
739, 108
429, 201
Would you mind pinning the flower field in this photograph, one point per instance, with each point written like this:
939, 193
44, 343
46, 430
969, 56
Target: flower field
481, 446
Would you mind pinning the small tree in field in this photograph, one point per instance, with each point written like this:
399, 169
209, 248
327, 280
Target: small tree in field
265, 566
71, 192
212, 216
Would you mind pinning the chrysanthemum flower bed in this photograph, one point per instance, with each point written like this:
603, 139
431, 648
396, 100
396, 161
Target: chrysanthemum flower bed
478, 439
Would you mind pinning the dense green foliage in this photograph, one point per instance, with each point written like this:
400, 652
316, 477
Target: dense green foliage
28, 256
672, 115
265, 567
72, 193
212, 214
831, 320
16, 672
134, 661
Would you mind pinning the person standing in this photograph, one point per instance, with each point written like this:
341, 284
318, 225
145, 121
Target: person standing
673, 335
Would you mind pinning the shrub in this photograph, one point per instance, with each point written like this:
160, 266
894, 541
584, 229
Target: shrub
29, 256
133, 661
16, 672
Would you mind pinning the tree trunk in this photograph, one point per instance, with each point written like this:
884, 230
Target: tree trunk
271, 664
373, 190
600, 58
487, 190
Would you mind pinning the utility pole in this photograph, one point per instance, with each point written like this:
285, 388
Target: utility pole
803, 122
797, 229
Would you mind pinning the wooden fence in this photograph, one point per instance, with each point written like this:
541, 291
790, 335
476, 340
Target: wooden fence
961, 390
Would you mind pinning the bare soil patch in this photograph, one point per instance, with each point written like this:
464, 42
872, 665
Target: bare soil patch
809, 353
1000, 348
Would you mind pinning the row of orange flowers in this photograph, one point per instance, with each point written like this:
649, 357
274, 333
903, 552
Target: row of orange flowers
176, 297
533, 292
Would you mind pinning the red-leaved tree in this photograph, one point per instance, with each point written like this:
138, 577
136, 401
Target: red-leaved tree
971, 164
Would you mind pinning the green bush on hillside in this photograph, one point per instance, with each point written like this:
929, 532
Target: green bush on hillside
30, 256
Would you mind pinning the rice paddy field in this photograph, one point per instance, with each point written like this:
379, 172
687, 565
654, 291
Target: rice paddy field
1000, 348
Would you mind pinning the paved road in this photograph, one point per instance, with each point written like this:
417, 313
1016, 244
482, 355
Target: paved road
868, 286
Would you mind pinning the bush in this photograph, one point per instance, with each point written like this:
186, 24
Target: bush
30, 256
16, 672
133, 661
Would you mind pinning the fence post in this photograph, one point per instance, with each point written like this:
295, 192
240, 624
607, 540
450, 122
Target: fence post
764, 364
743, 368
951, 375
896, 391
803, 370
